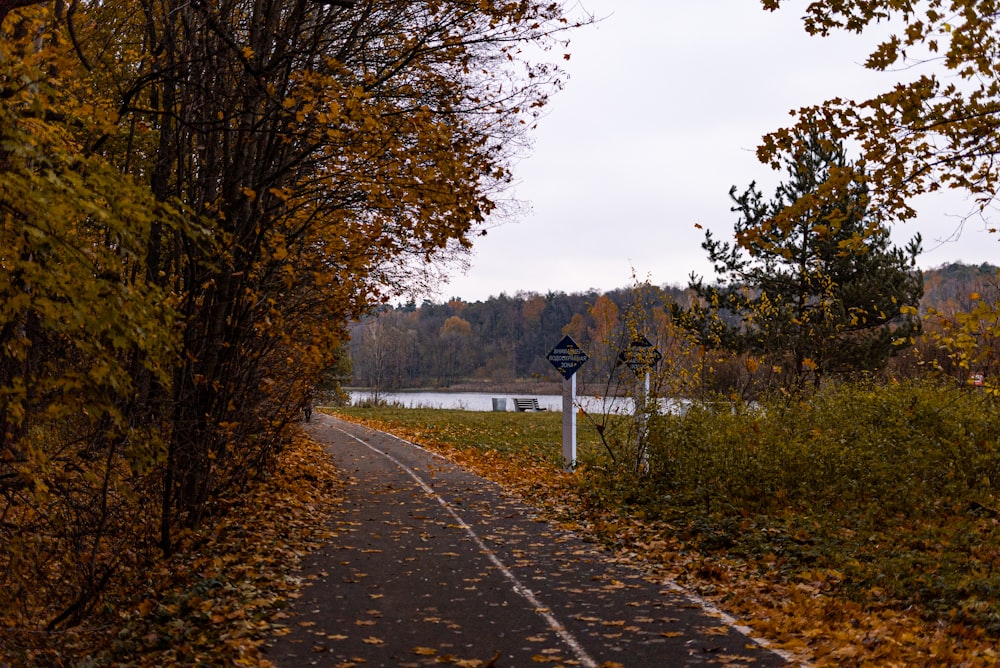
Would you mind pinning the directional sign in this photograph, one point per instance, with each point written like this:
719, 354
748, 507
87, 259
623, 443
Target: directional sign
640, 355
567, 357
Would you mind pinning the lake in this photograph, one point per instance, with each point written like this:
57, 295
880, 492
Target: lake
468, 401
484, 401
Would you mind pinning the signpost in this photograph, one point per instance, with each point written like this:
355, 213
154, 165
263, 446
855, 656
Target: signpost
641, 356
567, 357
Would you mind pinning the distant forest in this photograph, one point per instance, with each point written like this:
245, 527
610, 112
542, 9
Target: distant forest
502, 342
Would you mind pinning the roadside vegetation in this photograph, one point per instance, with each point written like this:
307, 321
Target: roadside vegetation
201, 202
215, 601
196, 199
857, 526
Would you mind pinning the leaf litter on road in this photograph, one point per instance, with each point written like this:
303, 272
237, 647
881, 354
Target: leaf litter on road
801, 615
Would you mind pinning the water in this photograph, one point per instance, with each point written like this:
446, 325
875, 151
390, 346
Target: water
483, 401
468, 401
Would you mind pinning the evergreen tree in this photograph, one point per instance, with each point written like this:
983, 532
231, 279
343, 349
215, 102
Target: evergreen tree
812, 282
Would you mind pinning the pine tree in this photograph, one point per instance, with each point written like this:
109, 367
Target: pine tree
812, 282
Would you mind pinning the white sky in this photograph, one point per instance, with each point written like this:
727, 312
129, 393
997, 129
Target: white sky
665, 104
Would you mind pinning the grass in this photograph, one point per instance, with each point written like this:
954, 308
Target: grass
892, 489
859, 526
537, 436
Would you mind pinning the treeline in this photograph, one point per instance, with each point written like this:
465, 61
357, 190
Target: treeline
504, 339
501, 340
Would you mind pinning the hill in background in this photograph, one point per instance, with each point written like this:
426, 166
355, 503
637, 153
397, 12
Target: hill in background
502, 342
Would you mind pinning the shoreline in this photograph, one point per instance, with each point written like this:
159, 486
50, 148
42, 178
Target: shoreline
525, 387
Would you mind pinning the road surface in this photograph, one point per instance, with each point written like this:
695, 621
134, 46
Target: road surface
435, 566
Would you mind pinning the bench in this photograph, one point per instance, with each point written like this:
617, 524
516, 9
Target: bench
526, 404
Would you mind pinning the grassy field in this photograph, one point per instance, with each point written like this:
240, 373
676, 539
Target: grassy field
858, 527
537, 436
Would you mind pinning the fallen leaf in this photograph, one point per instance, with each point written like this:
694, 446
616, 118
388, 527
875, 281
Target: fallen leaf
716, 630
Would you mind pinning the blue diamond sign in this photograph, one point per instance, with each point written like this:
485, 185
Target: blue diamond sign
567, 357
640, 355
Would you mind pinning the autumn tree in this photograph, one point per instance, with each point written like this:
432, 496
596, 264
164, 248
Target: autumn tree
811, 279
935, 129
966, 332
456, 346
83, 332
332, 151
195, 199
381, 345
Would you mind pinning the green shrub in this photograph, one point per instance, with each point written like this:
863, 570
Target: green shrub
889, 490
905, 448
892, 487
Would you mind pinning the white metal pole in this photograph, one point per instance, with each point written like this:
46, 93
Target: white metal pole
569, 423
643, 419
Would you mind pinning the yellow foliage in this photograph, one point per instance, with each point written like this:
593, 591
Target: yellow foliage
194, 202
934, 129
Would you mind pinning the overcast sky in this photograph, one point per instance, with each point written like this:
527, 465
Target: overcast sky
664, 106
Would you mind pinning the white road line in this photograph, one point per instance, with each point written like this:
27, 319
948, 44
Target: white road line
702, 603
732, 623
542, 610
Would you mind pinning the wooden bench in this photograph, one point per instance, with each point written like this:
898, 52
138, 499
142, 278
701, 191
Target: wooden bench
526, 404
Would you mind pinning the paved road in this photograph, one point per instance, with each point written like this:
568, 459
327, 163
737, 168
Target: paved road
436, 566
